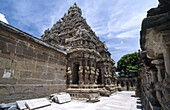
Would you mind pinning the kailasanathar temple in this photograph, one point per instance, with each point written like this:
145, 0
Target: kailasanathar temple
69, 67
69, 57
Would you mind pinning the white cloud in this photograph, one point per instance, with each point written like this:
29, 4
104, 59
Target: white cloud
2, 18
129, 34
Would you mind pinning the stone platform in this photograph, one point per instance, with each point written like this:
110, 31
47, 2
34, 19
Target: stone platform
84, 91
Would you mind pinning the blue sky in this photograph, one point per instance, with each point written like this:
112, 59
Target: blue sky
117, 22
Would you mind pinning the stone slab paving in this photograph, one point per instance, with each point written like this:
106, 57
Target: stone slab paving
124, 100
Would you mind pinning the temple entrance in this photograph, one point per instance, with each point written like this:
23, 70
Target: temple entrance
99, 80
75, 73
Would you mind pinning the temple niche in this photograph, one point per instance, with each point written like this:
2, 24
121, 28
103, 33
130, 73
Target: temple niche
154, 67
89, 64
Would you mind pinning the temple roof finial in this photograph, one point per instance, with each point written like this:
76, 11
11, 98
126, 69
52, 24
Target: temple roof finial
75, 4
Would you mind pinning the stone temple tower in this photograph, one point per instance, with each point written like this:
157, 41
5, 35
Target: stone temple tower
89, 65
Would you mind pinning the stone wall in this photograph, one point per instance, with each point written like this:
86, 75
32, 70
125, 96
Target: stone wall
29, 68
154, 67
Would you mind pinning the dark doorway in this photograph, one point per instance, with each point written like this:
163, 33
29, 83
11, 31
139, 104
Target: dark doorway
99, 80
127, 85
75, 74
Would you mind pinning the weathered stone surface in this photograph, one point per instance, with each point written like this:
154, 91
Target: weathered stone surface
21, 104
93, 98
23, 61
62, 98
37, 103
7, 106
154, 64
104, 92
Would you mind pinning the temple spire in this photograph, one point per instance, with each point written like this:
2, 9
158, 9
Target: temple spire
74, 10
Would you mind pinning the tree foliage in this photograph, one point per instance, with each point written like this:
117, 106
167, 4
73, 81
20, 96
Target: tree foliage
128, 62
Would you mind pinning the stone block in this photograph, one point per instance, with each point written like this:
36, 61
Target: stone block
30, 81
39, 89
37, 103
25, 74
1, 72
29, 52
5, 55
27, 66
3, 46
7, 90
53, 60
40, 68
16, 74
37, 75
22, 44
21, 104
7, 39
8, 81
24, 89
19, 57
19, 50
62, 98
51, 70
2, 63
54, 88
48, 76
7, 106
11, 48
60, 76
42, 57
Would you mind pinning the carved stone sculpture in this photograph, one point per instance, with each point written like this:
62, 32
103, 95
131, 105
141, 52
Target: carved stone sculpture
80, 74
92, 71
69, 75
96, 76
87, 74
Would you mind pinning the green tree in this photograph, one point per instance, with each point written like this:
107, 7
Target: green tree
128, 62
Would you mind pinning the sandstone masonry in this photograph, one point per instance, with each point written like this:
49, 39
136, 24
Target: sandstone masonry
29, 68
155, 58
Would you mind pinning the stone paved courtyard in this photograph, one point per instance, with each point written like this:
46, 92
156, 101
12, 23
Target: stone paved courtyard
124, 100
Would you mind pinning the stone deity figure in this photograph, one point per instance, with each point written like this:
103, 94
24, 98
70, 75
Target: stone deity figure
69, 74
106, 75
96, 76
92, 75
86, 74
80, 74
